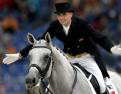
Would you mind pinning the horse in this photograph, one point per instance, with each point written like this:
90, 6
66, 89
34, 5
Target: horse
47, 62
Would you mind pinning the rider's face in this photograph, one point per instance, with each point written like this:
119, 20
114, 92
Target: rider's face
64, 18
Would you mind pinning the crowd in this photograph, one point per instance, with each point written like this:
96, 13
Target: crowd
18, 17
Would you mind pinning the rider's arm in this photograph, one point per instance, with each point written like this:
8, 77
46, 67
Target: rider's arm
10, 58
98, 37
103, 41
24, 52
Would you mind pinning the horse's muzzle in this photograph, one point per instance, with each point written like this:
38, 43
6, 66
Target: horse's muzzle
31, 80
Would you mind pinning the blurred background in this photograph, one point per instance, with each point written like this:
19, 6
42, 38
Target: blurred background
18, 17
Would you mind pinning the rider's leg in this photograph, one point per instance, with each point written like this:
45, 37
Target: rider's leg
90, 65
102, 66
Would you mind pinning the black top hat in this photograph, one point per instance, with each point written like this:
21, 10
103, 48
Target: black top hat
63, 7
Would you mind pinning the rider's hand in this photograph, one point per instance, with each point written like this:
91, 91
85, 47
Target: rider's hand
10, 58
116, 50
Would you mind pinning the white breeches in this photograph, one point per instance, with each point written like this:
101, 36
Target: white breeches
90, 65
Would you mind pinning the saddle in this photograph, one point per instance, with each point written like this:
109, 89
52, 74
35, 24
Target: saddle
90, 77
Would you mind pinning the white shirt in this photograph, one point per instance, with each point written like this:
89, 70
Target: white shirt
66, 29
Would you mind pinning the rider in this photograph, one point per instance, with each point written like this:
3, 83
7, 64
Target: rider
79, 40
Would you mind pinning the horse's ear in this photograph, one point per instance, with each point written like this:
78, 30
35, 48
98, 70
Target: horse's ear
47, 37
31, 38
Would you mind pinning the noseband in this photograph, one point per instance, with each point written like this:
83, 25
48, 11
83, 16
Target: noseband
42, 72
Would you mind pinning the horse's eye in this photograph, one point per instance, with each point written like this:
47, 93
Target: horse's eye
46, 57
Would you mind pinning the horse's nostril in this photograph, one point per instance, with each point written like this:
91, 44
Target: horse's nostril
29, 81
34, 81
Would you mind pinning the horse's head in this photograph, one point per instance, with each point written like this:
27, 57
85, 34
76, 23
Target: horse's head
40, 60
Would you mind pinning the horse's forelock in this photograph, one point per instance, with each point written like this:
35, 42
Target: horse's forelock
41, 43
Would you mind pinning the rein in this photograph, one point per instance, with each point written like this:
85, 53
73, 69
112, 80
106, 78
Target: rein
75, 78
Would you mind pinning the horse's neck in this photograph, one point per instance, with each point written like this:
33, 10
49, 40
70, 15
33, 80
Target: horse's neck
60, 60
58, 56
62, 76
62, 72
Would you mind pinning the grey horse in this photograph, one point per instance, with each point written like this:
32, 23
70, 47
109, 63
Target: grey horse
49, 63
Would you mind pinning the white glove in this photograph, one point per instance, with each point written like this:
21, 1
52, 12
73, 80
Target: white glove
10, 58
116, 50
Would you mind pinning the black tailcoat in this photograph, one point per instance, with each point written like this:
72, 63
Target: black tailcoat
81, 38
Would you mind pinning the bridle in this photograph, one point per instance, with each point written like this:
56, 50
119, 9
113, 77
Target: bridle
42, 72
